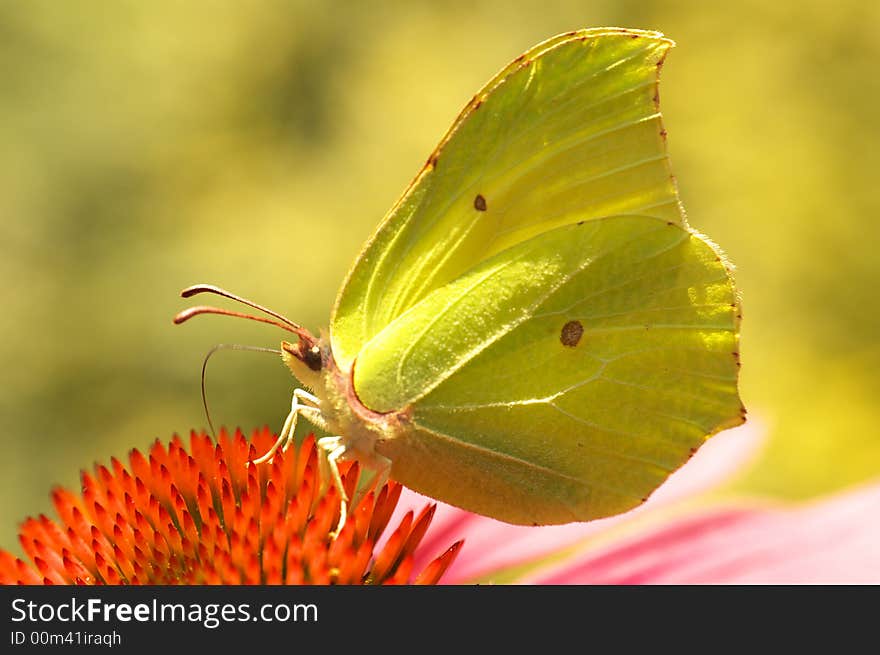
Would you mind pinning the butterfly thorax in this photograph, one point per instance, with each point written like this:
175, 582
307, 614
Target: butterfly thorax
343, 414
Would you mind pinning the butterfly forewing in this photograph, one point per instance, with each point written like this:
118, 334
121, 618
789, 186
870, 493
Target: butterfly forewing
569, 131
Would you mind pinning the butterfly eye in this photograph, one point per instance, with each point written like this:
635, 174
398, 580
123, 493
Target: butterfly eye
312, 358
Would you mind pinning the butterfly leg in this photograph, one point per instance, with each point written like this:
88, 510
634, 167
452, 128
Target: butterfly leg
302, 403
331, 449
309, 406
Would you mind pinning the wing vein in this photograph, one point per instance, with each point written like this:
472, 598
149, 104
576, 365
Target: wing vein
531, 465
604, 428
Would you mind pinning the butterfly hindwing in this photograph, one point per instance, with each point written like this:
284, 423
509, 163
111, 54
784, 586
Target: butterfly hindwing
565, 377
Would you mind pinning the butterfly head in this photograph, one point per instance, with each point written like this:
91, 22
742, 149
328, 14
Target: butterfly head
307, 359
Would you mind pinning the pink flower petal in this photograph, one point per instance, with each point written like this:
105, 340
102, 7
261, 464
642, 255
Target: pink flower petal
491, 545
836, 541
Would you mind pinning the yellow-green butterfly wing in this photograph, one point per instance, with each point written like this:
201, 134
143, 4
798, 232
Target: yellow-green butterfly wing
570, 130
549, 335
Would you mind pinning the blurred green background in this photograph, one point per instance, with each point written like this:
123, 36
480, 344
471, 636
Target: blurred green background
147, 146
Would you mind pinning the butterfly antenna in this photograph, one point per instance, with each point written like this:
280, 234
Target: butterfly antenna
210, 288
225, 346
187, 314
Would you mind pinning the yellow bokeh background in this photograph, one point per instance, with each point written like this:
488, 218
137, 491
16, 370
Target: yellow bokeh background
150, 145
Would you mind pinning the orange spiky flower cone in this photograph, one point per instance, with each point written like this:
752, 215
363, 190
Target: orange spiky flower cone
209, 515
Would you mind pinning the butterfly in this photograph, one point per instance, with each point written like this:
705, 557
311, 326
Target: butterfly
533, 333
